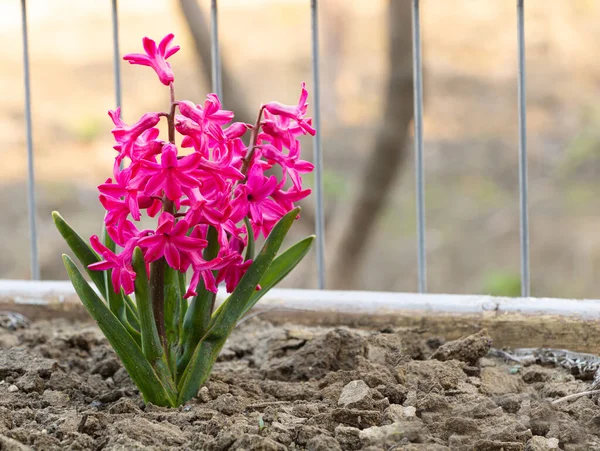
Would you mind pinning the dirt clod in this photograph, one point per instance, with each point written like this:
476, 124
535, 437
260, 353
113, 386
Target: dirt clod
336, 350
468, 349
356, 395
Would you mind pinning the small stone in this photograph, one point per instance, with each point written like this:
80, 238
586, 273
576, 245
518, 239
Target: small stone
13, 388
391, 434
204, 395
356, 395
538, 443
396, 413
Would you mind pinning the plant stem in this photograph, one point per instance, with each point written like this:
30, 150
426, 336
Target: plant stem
252, 146
171, 116
157, 269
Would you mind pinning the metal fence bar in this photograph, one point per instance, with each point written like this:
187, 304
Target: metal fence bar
524, 220
35, 264
215, 55
419, 172
318, 154
116, 53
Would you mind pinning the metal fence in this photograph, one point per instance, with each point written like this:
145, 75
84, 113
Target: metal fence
313, 10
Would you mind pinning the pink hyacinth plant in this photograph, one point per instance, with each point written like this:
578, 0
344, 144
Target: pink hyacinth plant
210, 189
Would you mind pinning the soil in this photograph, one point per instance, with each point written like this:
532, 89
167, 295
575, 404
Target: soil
292, 387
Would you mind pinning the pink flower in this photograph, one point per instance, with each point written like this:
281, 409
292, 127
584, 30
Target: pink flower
117, 210
226, 144
193, 135
296, 112
202, 269
210, 112
123, 275
122, 189
156, 58
290, 163
171, 240
236, 268
115, 116
126, 232
252, 199
280, 131
171, 175
286, 199
203, 191
127, 136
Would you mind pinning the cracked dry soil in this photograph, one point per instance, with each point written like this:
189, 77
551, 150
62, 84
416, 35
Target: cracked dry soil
292, 387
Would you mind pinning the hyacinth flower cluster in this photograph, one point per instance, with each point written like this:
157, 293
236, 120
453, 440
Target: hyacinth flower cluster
213, 188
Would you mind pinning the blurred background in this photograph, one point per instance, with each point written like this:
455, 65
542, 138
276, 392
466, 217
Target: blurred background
470, 127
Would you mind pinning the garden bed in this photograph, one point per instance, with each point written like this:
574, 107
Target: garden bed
290, 386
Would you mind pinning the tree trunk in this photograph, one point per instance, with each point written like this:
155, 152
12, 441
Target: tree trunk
388, 157
233, 97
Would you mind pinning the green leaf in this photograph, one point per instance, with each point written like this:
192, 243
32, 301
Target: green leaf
195, 325
184, 303
82, 250
151, 344
198, 314
228, 314
172, 312
132, 313
86, 256
280, 268
134, 361
172, 303
250, 248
